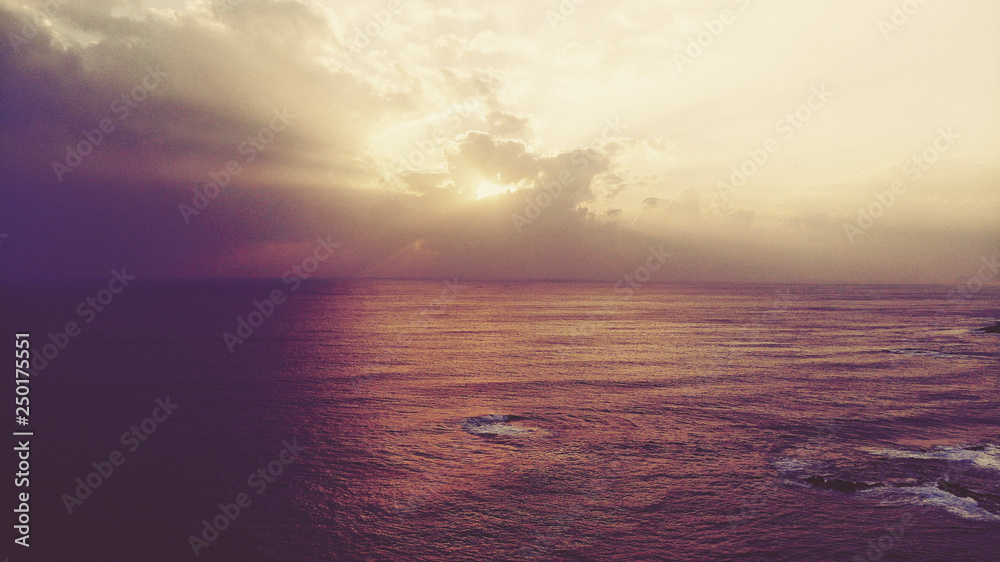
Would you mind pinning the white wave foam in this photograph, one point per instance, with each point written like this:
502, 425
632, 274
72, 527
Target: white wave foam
988, 458
920, 352
493, 424
966, 508
791, 464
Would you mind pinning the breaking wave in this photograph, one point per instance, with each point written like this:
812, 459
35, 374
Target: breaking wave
966, 495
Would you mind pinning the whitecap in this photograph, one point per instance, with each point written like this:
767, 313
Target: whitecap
492, 424
931, 496
795, 465
983, 456
920, 352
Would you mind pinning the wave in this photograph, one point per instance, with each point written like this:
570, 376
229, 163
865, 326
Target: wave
933, 496
493, 424
913, 352
951, 354
910, 484
791, 465
986, 456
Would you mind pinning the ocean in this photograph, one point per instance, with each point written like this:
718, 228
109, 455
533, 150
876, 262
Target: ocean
462, 420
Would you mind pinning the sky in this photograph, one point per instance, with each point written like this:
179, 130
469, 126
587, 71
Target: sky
751, 141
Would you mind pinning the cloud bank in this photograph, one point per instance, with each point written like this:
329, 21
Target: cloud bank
753, 142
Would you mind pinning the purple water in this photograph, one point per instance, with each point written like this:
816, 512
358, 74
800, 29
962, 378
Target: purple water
518, 421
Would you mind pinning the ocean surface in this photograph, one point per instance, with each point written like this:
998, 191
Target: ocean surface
427, 420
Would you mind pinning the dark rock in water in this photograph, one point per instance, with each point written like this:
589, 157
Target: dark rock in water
976, 448
986, 501
956, 489
836, 484
991, 329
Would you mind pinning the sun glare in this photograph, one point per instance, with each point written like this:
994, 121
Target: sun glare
489, 189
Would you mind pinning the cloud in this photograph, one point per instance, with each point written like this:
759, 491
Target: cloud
384, 146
